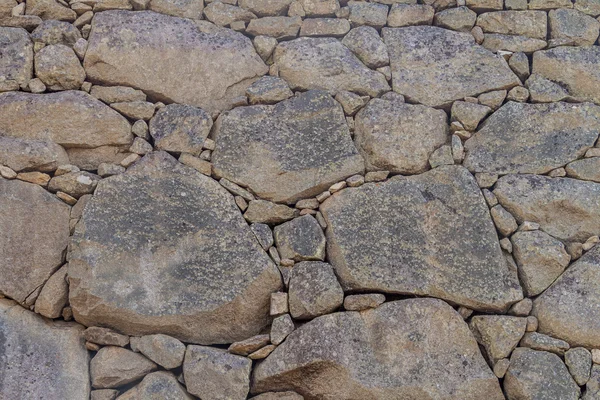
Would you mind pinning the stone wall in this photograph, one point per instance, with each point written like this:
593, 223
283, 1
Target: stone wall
299, 199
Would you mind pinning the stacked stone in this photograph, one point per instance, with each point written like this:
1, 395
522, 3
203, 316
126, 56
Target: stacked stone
288, 199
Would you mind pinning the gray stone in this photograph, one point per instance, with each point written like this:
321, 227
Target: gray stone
265, 8
117, 94
178, 8
50, 9
325, 63
495, 42
399, 137
532, 138
498, 334
504, 221
164, 350
311, 151
70, 118
265, 212
572, 28
589, 7
113, 366
574, 68
313, 290
570, 308
40, 359
31, 155
565, 208
75, 184
441, 156
395, 245
132, 282
538, 375
16, 62
587, 169
366, 44
542, 90
161, 385
263, 234
180, 128
541, 259
280, 28
300, 239
469, 114
484, 5
361, 302
410, 14
320, 8
35, 234
539, 341
281, 327
268, 90
324, 27
453, 66
104, 394
342, 354
592, 387
222, 14
58, 67
460, 19
135, 110
529, 23
364, 13
176, 49
351, 102
56, 32
214, 374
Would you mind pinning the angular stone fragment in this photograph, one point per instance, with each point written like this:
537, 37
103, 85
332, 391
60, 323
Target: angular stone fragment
263, 234
281, 28
579, 362
164, 350
313, 290
189, 63
459, 19
281, 328
40, 359
409, 15
469, 114
180, 128
429, 234
75, 184
58, 68
525, 23
572, 28
224, 14
300, 239
265, 212
496, 42
484, 5
541, 259
50, 9
311, 151
70, 118
325, 63
587, 169
324, 27
538, 375
27, 155
570, 308
34, 227
565, 208
589, 7
539, 341
135, 110
112, 367
268, 90
361, 302
532, 138
214, 374
117, 94
342, 353
178, 8
265, 8
54, 295
365, 13
574, 68
366, 44
542, 90
504, 221
498, 334
399, 137
453, 66
104, 394
16, 62
105, 337
250, 345
161, 385
320, 8
132, 281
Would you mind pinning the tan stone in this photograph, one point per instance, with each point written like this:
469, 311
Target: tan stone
54, 295
115, 366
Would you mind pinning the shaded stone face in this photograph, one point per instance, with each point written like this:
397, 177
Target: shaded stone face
16, 48
570, 308
292, 150
568, 209
401, 350
533, 138
429, 234
40, 359
435, 66
69, 118
150, 229
195, 64
34, 233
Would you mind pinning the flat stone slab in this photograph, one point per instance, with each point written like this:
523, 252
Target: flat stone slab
184, 62
568, 209
408, 349
435, 66
34, 233
532, 138
70, 118
41, 359
293, 150
164, 249
570, 308
428, 234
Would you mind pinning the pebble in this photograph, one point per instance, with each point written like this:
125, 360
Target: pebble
355, 181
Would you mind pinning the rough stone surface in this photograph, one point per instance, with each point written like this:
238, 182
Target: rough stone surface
131, 281
300, 239
311, 151
498, 334
538, 375
429, 234
161, 385
587, 169
164, 350
54, 295
539, 341
360, 302
366, 44
112, 367
579, 362
570, 308
56, 32
34, 233
565, 208
265, 212
180, 128
572, 28
533, 138
399, 137
16, 48
214, 374
451, 63
194, 64
313, 290
342, 352
58, 68
31, 155
40, 359
105, 337
325, 63
70, 118
532, 24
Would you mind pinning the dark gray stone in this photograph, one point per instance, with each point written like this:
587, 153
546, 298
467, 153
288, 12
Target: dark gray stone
300, 239
180, 128
161, 385
16, 48
313, 290
56, 32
